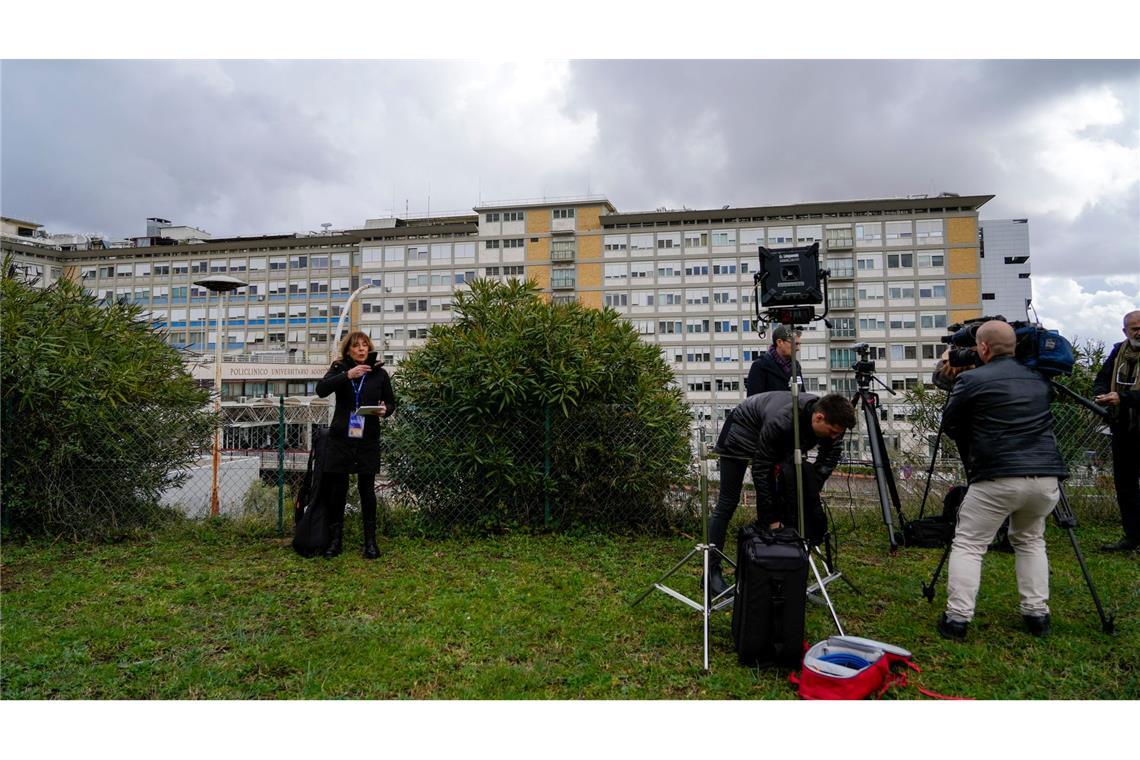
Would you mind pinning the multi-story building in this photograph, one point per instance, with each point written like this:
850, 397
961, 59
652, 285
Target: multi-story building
1003, 246
902, 270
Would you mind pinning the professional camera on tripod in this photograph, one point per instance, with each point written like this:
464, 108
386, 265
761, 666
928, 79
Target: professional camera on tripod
1051, 355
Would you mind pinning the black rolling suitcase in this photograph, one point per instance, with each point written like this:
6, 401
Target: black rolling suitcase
771, 591
311, 534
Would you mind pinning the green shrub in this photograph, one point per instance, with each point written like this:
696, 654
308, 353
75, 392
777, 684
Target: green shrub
99, 414
527, 413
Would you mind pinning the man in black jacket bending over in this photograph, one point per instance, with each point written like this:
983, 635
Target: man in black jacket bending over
1117, 386
759, 432
772, 370
999, 416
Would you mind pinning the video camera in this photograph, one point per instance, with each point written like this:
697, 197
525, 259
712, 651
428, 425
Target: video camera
1046, 351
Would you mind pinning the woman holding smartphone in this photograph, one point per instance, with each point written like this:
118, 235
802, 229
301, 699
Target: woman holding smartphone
358, 380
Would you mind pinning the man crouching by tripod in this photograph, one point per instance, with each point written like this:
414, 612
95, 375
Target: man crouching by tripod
999, 416
759, 432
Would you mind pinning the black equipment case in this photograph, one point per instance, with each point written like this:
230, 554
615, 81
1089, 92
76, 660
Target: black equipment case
771, 592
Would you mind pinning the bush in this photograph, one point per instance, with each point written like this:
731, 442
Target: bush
527, 413
99, 414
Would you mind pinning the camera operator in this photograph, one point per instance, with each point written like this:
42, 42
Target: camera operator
1116, 387
772, 370
759, 432
998, 414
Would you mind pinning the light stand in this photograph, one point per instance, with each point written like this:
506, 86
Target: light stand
709, 603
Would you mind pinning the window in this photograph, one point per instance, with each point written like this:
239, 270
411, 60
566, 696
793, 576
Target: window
616, 272
808, 234
725, 296
142, 270
752, 236
563, 213
903, 320
699, 384
871, 292
869, 262
298, 262
724, 238
928, 231
668, 241
393, 255
562, 277
697, 269
899, 233
696, 239
418, 279
644, 327
318, 286
725, 326
642, 298
698, 354
694, 326
839, 237
277, 262
562, 250
463, 278
932, 350
780, 237
257, 265
727, 354
900, 260
420, 253
493, 244
509, 243
641, 269
643, 242
903, 352
669, 298
869, 235
843, 327
929, 260
988, 296
841, 358
441, 253
319, 262
615, 243
931, 290
615, 300
417, 304
464, 252
841, 298
724, 266
841, 267
897, 292
513, 216
931, 321
669, 328
492, 217
697, 297
668, 270
872, 322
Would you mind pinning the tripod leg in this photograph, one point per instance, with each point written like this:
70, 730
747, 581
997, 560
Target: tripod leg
928, 589
1063, 514
826, 598
669, 572
883, 478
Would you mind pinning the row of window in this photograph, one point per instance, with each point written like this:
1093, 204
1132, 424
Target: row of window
859, 235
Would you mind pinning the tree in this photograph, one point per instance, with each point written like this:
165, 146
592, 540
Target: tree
539, 414
99, 414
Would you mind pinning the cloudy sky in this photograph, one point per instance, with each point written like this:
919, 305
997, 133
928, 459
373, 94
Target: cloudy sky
258, 147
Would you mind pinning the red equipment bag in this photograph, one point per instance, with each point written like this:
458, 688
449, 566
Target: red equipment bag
850, 667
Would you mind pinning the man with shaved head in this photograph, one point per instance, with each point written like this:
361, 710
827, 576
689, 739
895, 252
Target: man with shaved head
1117, 387
998, 414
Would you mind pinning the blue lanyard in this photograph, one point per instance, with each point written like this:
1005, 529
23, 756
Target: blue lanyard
356, 389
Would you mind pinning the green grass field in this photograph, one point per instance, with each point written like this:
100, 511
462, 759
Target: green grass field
210, 612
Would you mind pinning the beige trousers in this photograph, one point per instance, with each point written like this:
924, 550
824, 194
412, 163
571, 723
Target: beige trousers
1027, 501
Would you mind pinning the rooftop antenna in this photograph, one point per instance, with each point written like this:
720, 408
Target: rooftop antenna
325, 227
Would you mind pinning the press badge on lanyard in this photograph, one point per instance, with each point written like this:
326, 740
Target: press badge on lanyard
356, 421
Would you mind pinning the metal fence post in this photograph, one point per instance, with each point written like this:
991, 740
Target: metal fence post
546, 466
281, 467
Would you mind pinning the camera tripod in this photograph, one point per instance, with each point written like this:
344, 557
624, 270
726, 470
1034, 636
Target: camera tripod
868, 400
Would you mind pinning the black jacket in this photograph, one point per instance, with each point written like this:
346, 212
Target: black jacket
999, 416
766, 374
760, 429
1129, 416
377, 387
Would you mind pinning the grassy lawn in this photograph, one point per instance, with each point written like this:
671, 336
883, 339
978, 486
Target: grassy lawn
206, 612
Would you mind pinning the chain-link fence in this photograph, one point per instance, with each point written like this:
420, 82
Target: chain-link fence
444, 471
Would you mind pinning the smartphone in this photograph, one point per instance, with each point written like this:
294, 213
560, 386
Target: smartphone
371, 360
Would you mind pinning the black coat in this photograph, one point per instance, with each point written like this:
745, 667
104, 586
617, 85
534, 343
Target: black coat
766, 374
999, 416
1128, 418
355, 455
760, 429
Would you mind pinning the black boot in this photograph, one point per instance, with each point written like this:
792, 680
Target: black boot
717, 584
370, 550
336, 532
